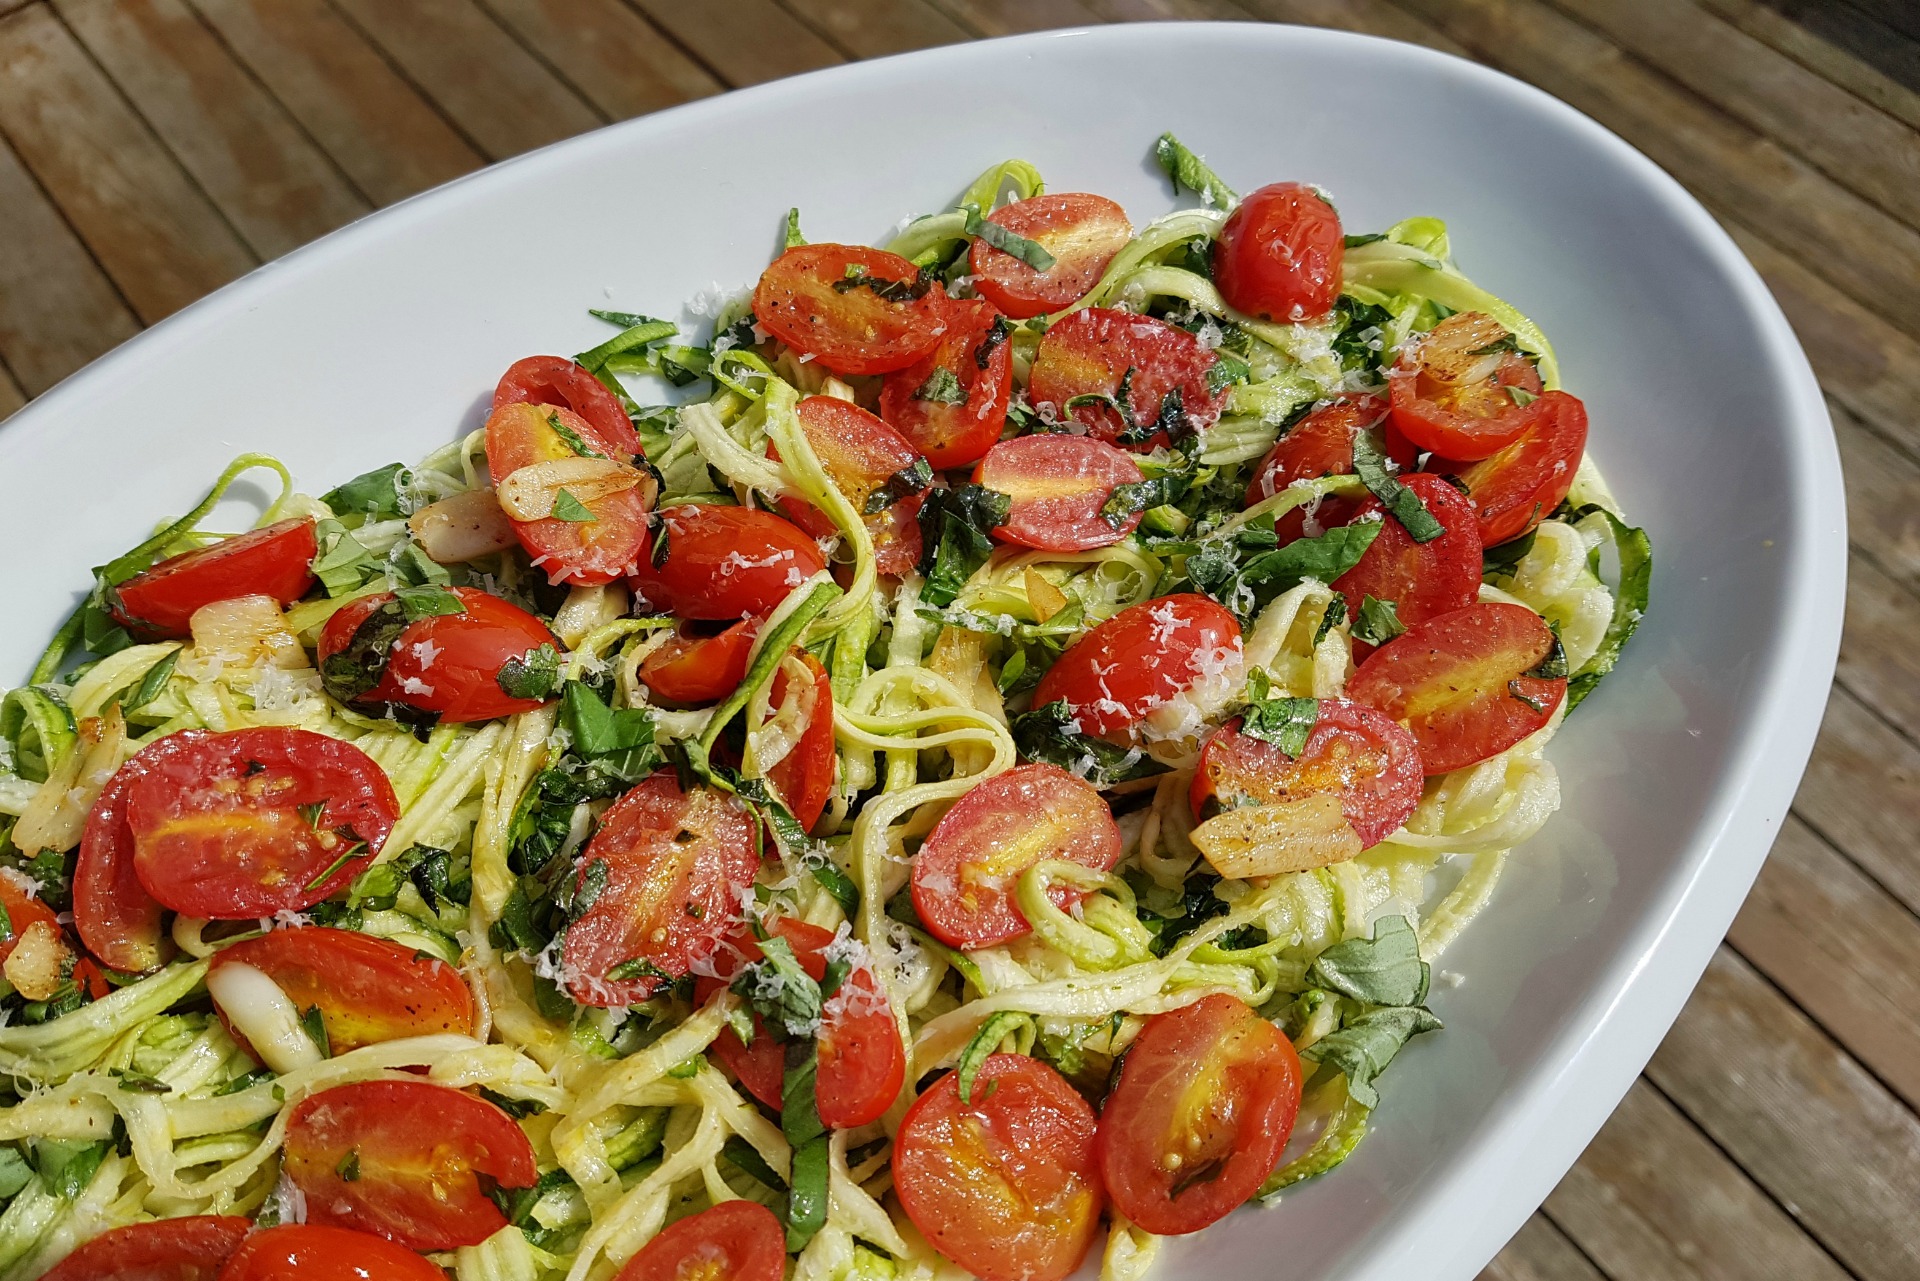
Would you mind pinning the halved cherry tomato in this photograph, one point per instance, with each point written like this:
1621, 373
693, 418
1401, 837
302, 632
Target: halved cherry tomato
671, 866
310, 1252
804, 776
447, 663
1320, 444
185, 1249
1007, 1184
966, 871
276, 561
725, 563
1142, 659
951, 404
732, 1241
862, 1062
112, 912
23, 913
555, 380
857, 310
1280, 254
1353, 752
1058, 484
1157, 370
586, 552
1462, 684
403, 1160
860, 454
695, 668
248, 822
1423, 580
1083, 232
1450, 390
1206, 1099
1519, 487
368, 989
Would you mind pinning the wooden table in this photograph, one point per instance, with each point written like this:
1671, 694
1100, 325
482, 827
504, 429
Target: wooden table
152, 150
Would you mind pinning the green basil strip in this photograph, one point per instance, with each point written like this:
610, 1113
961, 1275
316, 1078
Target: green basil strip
807, 1197
1635, 551
985, 1041
379, 494
799, 1109
838, 884
1383, 970
39, 728
1379, 621
747, 1159
640, 334
1285, 722
1189, 171
1028, 251
1366, 1045
353, 671
903, 484
765, 663
1370, 464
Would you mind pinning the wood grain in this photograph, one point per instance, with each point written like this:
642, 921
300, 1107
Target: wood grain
154, 231
873, 28
744, 42
11, 397
1802, 33
616, 58
1862, 793
1540, 1252
1883, 481
1878, 658
1009, 17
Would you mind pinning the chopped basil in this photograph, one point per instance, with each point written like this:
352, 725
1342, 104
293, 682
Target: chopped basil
1050, 733
1371, 237
1370, 464
1364, 1047
1243, 586
151, 685
1554, 666
955, 528
1030, 252
313, 1020
354, 850
1285, 722
1501, 561
618, 743
636, 967
794, 238
747, 1160
1120, 401
779, 989
1137, 496
588, 889
430, 601
1225, 371
568, 508
1519, 691
942, 387
342, 564
1334, 615
572, 439
1190, 172
1383, 970
140, 1082
351, 672
799, 1106
1635, 553
894, 291
807, 1198
905, 483
380, 494
534, 674
349, 1166
1379, 621
1521, 396
839, 885
997, 333
1172, 419
67, 1166
1505, 342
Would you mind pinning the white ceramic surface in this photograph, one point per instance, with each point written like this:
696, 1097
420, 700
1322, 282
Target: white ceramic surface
384, 340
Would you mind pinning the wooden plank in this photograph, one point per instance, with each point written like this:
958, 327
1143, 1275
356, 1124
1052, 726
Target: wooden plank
11, 397
1163, 10
1862, 793
274, 185
1860, 247
1882, 482
1853, 143
873, 28
1816, 34
1844, 949
1878, 658
1367, 17
745, 42
1652, 1199
388, 138
498, 94
1806, 1122
58, 310
1898, 15
623, 65
155, 233
1008, 17
1540, 1252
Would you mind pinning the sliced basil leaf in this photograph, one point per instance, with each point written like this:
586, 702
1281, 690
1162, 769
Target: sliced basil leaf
1554, 666
379, 494
342, 564
1030, 252
313, 1020
568, 508
839, 885
1385, 969
1501, 561
1635, 552
619, 742
1379, 621
747, 1159
894, 291
1366, 1045
1370, 465
1225, 371
799, 1105
151, 685
351, 672
572, 439
779, 989
1368, 238
942, 387
642, 332
807, 1197
534, 674
1284, 722
431, 601
1521, 396
955, 531
1050, 733
1190, 172
905, 483
997, 333
1335, 614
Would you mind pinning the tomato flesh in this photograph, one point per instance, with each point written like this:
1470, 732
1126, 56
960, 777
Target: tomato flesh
186, 1249
1423, 580
223, 823
1157, 370
1461, 683
857, 310
277, 561
113, 914
674, 864
1353, 752
1142, 659
583, 552
310, 1252
23, 914
1058, 484
951, 404
557, 381
1451, 391
804, 776
692, 668
860, 454
966, 871
732, 1241
1007, 1184
1320, 444
725, 563
1515, 489
1280, 254
1207, 1096
1083, 232
447, 663
368, 989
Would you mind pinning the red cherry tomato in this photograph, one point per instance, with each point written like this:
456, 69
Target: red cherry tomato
1206, 1099
1423, 580
804, 776
1321, 444
1461, 683
310, 1252
112, 912
555, 380
23, 914
447, 663
1520, 486
1007, 1184
725, 563
672, 867
403, 1160
1450, 390
732, 1241
1141, 659
224, 827
966, 871
187, 1249
1353, 752
1280, 254
951, 404
694, 668
1090, 353
862, 1060
368, 989
857, 310
1058, 484
860, 454
276, 561
586, 552
1083, 232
